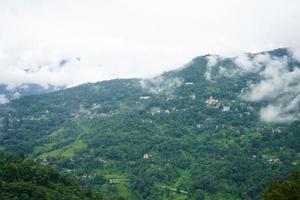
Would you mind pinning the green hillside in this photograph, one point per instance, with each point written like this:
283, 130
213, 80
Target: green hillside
175, 136
23, 179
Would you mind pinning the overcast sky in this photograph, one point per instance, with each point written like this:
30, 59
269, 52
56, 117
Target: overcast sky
107, 39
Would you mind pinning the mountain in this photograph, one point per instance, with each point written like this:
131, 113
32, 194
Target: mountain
217, 128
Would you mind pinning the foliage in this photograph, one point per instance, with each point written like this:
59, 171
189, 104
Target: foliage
287, 189
21, 178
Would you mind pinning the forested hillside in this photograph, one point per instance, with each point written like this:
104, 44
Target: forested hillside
287, 188
202, 131
23, 179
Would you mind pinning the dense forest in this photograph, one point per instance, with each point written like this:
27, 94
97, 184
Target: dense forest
175, 136
286, 189
23, 179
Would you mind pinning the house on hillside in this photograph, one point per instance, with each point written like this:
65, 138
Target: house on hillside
212, 101
226, 108
146, 156
44, 162
155, 110
193, 97
189, 83
145, 97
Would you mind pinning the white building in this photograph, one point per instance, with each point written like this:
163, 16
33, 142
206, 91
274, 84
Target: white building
212, 101
146, 156
145, 97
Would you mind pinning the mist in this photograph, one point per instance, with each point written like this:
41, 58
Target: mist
115, 39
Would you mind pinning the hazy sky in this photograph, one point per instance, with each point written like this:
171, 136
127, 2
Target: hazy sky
107, 39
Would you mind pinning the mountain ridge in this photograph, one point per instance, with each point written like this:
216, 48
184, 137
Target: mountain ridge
193, 129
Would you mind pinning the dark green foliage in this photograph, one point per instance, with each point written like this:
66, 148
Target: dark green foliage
21, 178
287, 189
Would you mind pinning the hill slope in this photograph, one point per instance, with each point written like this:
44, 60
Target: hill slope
207, 129
23, 179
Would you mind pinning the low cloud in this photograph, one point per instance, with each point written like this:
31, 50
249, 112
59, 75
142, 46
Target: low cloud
295, 52
279, 86
161, 84
3, 99
223, 71
212, 60
281, 112
123, 39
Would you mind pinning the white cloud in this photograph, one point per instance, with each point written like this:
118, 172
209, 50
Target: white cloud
243, 62
278, 114
223, 71
161, 84
279, 86
249, 64
212, 60
133, 38
295, 51
3, 99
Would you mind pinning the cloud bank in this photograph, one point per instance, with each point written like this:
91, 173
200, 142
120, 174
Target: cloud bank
279, 86
118, 39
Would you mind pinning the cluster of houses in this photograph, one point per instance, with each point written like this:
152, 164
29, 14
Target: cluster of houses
91, 112
211, 101
271, 159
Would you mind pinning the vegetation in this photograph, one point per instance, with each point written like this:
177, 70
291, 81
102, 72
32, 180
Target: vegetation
157, 138
287, 189
21, 178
